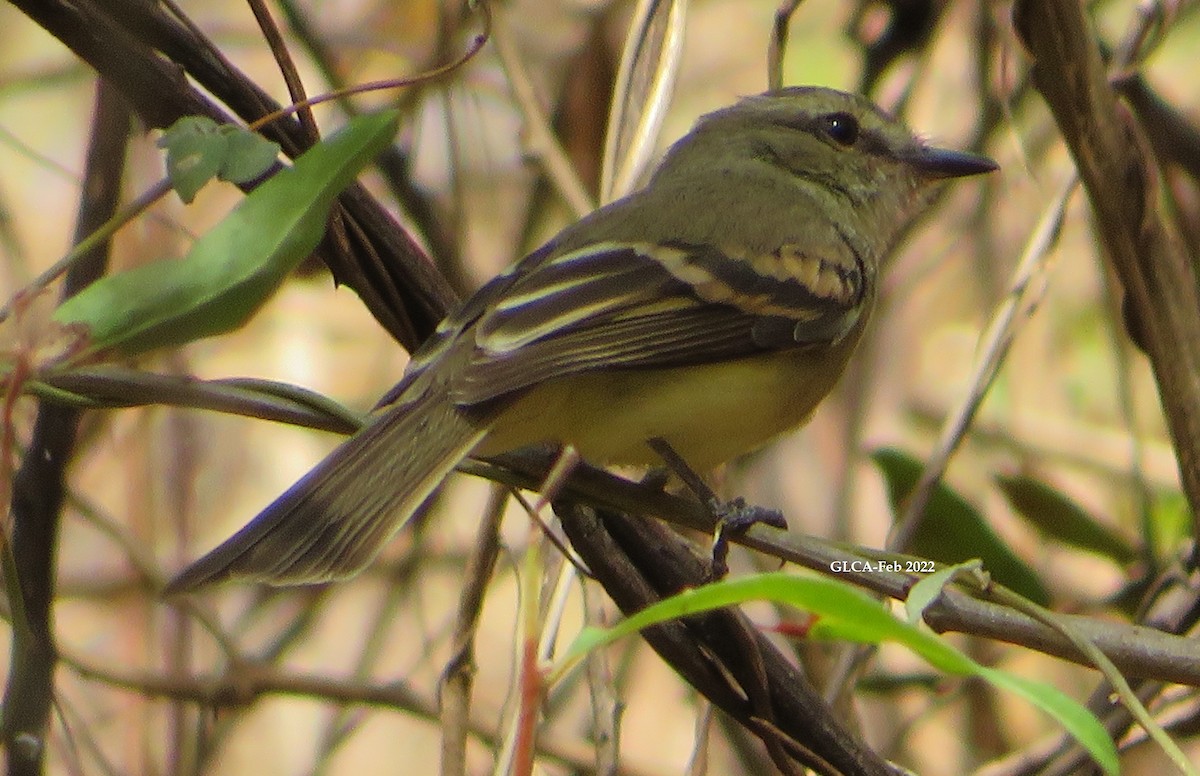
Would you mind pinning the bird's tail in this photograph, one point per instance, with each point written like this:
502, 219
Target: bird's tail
332, 522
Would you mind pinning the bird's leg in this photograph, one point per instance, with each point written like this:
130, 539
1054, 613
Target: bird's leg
733, 518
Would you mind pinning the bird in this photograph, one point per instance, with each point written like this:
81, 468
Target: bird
712, 309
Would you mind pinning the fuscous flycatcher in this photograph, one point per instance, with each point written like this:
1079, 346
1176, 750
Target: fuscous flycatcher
712, 309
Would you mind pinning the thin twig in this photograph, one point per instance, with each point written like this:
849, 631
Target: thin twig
606, 708
38, 487
459, 673
100, 236
1106, 667
254, 681
777, 46
1145, 651
287, 67
1023, 297
542, 142
1141, 242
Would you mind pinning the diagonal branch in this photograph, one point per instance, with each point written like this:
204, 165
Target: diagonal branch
720, 653
147, 56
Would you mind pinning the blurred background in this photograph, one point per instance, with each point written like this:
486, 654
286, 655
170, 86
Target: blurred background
1075, 405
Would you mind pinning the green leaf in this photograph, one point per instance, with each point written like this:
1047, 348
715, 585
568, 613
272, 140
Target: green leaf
247, 155
952, 531
1075, 719
1057, 516
199, 149
1171, 522
194, 152
234, 268
929, 587
847, 613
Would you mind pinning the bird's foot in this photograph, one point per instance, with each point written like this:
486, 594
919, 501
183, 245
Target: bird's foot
733, 519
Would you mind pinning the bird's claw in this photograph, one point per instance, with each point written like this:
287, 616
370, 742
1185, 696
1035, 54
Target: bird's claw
734, 518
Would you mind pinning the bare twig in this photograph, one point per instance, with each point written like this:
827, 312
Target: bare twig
1023, 297
287, 67
541, 135
38, 488
459, 674
777, 45
1136, 650
252, 682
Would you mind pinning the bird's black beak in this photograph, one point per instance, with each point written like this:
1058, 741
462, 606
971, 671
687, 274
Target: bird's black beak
944, 163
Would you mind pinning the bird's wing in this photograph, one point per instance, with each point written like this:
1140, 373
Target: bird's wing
644, 306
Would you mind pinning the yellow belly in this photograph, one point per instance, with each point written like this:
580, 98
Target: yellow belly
708, 413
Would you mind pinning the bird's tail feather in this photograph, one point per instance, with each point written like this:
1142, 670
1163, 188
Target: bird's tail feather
332, 522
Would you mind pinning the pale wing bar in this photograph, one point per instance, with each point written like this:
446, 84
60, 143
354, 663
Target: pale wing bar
655, 307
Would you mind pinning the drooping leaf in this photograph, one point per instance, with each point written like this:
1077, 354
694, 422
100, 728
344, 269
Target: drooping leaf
844, 612
231, 270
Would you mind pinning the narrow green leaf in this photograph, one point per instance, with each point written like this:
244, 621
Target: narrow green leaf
1057, 516
1171, 522
953, 531
847, 613
232, 270
1075, 719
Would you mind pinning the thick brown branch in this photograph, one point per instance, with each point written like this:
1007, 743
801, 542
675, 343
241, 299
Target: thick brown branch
1137, 650
1122, 183
720, 653
145, 56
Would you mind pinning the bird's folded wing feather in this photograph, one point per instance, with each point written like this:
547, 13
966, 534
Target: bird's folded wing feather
643, 306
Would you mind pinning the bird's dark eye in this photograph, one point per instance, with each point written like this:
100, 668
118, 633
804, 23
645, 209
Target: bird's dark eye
841, 127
